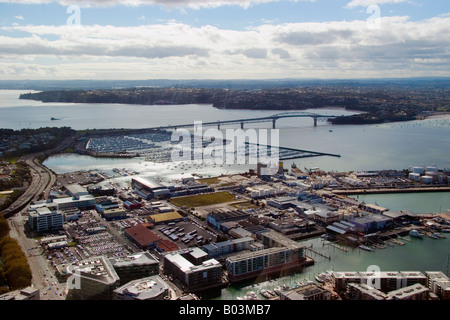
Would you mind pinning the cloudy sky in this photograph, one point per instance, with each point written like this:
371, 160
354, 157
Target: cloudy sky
223, 39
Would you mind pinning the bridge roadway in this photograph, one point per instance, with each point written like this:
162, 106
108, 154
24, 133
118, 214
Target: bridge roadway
218, 123
272, 119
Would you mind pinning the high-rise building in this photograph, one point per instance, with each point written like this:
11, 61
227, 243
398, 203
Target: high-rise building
43, 219
194, 269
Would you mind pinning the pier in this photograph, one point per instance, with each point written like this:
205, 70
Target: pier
317, 252
334, 246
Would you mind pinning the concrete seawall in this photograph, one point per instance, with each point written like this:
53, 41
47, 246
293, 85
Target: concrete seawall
392, 190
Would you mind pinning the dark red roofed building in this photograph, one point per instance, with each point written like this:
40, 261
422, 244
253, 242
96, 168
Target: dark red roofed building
142, 236
132, 205
166, 246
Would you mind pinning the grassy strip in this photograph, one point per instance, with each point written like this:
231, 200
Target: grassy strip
203, 199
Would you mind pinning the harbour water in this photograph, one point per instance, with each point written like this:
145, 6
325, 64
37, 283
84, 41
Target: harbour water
416, 255
434, 202
362, 147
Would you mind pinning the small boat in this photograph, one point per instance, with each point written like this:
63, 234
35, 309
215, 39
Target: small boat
365, 248
265, 293
445, 230
277, 290
414, 233
251, 295
323, 277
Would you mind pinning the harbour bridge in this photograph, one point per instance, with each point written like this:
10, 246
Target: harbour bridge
272, 118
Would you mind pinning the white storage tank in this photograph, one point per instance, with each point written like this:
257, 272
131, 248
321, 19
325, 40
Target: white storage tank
418, 170
427, 179
431, 169
414, 176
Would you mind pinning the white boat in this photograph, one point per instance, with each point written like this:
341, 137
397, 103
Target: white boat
365, 248
416, 234
265, 293
322, 277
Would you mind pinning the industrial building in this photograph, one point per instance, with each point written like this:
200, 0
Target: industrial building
92, 279
149, 189
166, 246
149, 288
283, 203
142, 236
194, 269
105, 203
239, 232
167, 217
114, 214
371, 223
75, 190
326, 217
217, 218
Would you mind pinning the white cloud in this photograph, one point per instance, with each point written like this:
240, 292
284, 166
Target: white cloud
196, 4
323, 49
19, 17
367, 3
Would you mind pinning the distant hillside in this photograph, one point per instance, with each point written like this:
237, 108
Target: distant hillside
220, 84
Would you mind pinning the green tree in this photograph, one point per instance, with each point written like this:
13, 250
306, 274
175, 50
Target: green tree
4, 227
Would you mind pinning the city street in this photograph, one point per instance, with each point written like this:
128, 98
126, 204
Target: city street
43, 276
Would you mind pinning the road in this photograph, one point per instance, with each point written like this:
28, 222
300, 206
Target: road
43, 276
42, 180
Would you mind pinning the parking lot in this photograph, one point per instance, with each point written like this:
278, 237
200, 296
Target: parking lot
84, 243
185, 233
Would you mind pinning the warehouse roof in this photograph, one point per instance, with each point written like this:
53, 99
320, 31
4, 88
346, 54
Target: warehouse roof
142, 235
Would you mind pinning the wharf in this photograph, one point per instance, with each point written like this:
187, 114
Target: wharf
391, 190
388, 235
306, 235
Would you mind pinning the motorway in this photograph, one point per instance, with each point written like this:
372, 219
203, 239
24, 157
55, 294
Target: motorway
42, 180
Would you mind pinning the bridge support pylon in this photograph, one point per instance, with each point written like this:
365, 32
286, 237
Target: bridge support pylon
315, 121
242, 125
273, 123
